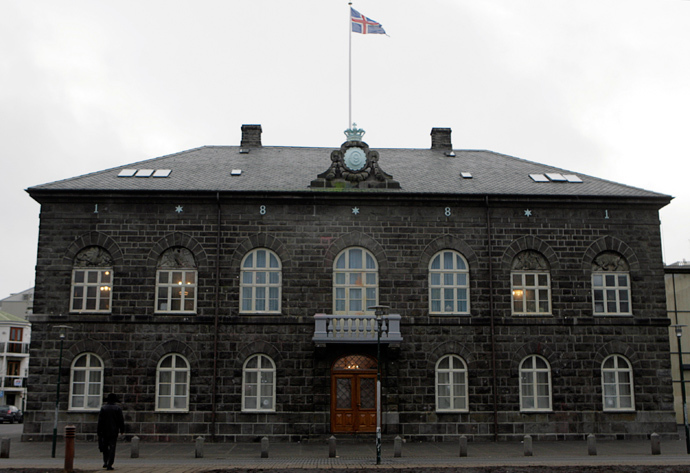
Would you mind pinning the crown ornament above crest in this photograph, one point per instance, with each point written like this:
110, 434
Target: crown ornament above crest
354, 133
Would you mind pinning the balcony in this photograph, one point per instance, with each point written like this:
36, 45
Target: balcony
355, 329
15, 348
11, 382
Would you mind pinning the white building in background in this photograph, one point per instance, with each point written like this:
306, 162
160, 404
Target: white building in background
20, 304
15, 338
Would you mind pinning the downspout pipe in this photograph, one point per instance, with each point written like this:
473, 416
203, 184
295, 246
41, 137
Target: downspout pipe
214, 382
491, 318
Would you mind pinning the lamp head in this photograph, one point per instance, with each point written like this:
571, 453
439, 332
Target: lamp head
679, 329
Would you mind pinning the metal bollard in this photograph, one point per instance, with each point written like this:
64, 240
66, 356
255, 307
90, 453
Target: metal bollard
5, 447
134, 447
331, 447
397, 447
70, 432
591, 444
264, 447
656, 444
463, 446
199, 450
528, 445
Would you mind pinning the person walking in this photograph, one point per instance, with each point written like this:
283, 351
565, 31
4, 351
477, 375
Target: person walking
111, 422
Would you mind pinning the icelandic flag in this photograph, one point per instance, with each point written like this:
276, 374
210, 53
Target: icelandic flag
362, 24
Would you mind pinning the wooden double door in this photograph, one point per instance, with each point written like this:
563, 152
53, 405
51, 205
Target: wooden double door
353, 394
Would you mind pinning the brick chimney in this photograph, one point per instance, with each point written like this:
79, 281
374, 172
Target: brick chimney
251, 136
440, 139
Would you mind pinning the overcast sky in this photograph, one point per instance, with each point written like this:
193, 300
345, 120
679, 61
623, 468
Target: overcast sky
599, 87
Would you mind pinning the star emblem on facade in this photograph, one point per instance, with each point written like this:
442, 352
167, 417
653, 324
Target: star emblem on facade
179, 209
528, 213
355, 210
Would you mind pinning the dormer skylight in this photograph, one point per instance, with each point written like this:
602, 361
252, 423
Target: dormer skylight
555, 177
144, 173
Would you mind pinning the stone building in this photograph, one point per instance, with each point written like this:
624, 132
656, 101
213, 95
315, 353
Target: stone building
227, 292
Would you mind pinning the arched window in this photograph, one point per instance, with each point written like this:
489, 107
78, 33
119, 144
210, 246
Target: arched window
176, 281
617, 384
259, 384
449, 283
451, 384
611, 284
531, 284
92, 281
535, 384
86, 383
260, 282
172, 383
355, 282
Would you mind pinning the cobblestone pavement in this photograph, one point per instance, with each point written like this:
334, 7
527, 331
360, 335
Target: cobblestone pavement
570, 456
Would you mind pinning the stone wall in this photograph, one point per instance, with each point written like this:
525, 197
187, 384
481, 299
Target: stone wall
307, 234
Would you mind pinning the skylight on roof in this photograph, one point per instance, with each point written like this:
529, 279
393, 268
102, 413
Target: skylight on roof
466, 175
144, 173
572, 178
162, 172
127, 173
539, 178
555, 177
236, 172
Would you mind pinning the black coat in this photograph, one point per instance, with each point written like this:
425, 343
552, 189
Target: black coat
110, 422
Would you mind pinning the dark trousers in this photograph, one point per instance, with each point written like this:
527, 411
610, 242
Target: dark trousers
109, 451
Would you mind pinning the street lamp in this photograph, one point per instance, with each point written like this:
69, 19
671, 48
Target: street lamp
379, 312
679, 333
63, 329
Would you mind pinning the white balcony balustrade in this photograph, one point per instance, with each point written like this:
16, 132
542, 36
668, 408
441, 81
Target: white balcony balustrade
355, 329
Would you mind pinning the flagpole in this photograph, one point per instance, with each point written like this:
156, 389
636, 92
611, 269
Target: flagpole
349, 81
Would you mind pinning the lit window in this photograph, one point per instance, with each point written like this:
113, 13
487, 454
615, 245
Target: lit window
260, 282
535, 384
92, 281
176, 282
530, 284
172, 384
86, 383
355, 282
611, 285
451, 384
449, 283
617, 384
258, 384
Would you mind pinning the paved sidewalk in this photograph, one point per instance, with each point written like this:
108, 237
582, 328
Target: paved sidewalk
180, 458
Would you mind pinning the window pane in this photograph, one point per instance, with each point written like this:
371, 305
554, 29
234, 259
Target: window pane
355, 258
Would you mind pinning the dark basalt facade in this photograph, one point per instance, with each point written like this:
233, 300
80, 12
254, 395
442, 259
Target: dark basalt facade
229, 299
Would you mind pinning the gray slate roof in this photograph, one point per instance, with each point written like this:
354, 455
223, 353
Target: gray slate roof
281, 169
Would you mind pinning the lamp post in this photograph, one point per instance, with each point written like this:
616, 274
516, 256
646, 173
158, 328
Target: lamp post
63, 329
679, 333
379, 311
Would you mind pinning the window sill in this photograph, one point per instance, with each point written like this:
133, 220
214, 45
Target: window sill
258, 411
172, 411
537, 411
450, 314
452, 411
80, 410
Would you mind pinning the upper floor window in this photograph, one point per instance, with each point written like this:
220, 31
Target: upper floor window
531, 284
617, 384
86, 383
611, 284
259, 384
535, 384
176, 281
451, 384
355, 282
260, 282
449, 283
172, 383
16, 337
92, 281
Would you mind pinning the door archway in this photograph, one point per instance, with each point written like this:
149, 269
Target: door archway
353, 394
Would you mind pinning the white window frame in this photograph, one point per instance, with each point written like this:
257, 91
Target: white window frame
95, 284
174, 383
186, 280
264, 375
349, 279
449, 279
92, 383
531, 379
261, 282
611, 293
446, 381
614, 383
524, 283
